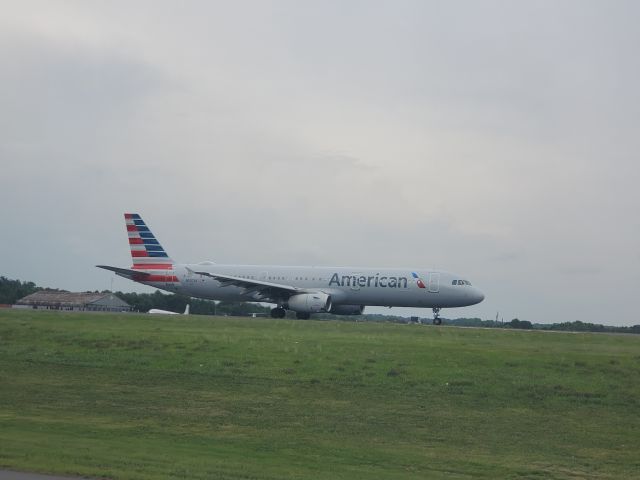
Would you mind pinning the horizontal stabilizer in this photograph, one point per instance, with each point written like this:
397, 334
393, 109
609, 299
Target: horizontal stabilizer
126, 272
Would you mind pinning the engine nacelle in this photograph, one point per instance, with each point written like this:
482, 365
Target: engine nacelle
347, 309
310, 302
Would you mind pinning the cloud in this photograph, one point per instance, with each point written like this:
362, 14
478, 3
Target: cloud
497, 140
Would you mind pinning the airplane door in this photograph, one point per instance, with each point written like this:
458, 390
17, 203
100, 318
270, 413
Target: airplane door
434, 282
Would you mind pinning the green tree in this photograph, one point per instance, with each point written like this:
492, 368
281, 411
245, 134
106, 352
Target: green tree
521, 324
13, 290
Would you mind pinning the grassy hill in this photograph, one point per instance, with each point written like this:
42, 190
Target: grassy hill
141, 397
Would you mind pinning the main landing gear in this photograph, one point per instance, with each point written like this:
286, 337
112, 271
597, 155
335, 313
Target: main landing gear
436, 316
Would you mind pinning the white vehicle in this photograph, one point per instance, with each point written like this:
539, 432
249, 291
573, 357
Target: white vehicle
305, 290
157, 311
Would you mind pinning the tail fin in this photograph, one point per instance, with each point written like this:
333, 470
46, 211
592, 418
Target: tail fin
146, 251
186, 310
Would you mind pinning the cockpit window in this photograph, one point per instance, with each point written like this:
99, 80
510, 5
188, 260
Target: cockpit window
455, 282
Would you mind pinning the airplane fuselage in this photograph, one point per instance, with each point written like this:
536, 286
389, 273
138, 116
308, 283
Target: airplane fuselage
346, 285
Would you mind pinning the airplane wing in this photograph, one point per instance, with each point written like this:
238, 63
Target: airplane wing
260, 290
125, 272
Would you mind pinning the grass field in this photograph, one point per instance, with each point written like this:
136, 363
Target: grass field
140, 397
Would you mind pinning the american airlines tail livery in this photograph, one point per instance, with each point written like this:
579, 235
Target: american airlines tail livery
305, 290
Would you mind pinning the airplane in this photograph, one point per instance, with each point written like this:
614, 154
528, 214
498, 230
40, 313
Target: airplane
304, 290
158, 311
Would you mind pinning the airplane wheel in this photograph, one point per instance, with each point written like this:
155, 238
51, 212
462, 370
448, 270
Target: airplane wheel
278, 312
303, 316
436, 316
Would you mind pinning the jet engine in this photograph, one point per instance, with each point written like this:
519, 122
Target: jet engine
347, 309
310, 302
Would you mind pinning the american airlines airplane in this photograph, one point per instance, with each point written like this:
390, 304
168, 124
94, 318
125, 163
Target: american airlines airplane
304, 290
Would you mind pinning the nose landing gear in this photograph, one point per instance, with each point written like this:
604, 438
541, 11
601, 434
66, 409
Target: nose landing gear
436, 316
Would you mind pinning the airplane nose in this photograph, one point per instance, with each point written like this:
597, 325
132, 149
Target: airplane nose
477, 296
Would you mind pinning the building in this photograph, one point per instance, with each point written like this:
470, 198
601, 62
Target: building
60, 300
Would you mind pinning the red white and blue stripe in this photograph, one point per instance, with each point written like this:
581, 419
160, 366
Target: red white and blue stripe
146, 251
418, 280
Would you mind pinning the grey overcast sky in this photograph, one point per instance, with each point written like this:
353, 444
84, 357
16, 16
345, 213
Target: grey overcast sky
496, 139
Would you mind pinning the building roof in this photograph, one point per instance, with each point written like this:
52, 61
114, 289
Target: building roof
55, 297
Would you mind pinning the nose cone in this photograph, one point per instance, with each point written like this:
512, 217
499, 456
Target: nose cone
476, 296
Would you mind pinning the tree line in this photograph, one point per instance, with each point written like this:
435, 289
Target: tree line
576, 326
143, 302
13, 290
